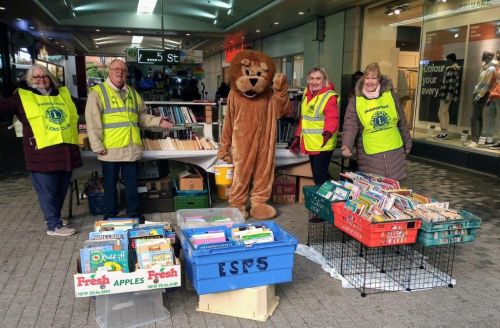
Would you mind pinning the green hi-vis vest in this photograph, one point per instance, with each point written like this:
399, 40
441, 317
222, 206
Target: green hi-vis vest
53, 119
380, 123
313, 122
120, 119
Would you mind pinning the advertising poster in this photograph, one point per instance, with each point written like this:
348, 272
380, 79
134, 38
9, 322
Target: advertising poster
433, 66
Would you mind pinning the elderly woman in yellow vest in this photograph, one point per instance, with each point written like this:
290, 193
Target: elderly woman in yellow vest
114, 113
375, 114
316, 134
50, 140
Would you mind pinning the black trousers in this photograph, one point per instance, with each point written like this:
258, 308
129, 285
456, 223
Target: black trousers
319, 166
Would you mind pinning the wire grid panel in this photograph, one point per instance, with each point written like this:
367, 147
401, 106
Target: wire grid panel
316, 233
432, 266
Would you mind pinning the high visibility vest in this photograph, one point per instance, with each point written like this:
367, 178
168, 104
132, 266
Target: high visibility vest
379, 118
120, 119
313, 122
53, 119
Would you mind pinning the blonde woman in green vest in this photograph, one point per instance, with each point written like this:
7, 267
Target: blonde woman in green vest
114, 114
375, 116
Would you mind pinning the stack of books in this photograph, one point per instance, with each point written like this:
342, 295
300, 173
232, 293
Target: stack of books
252, 234
178, 144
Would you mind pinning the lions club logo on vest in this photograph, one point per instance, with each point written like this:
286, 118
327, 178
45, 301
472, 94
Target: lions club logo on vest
380, 120
55, 115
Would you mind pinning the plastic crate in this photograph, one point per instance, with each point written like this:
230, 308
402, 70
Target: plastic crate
96, 203
375, 234
209, 215
318, 205
449, 232
233, 267
198, 201
130, 310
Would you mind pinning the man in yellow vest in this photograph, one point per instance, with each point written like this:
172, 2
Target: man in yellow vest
114, 114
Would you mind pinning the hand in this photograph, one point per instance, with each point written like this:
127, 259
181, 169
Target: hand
166, 124
101, 152
224, 155
279, 81
346, 151
295, 145
326, 136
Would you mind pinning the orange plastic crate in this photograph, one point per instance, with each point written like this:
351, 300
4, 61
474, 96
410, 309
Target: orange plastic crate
374, 234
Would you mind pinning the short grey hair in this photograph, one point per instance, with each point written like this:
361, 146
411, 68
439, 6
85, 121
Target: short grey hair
320, 69
29, 75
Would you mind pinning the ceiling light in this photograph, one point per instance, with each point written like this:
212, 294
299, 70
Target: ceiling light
397, 11
300, 13
146, 6
215, 21
230, 11
128, 31
97, 30
257, 31
32, 27
2, 8
188, 34
135, 45
19, 19
137, 39
220, 4
456, 35
73, 13
276, 23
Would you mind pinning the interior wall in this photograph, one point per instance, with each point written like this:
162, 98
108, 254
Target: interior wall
213, 74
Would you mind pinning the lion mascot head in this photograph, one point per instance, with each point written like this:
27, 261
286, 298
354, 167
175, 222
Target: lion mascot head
251, 73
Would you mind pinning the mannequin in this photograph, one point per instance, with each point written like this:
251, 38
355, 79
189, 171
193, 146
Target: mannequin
448, 93
494, 105
480, 95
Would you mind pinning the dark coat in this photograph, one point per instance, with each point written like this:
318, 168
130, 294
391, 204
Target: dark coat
391, 164
62, 157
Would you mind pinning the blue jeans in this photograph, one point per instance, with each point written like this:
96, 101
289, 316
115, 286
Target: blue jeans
51, 189
111, 172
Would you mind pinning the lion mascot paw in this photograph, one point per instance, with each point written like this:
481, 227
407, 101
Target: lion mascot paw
257, 99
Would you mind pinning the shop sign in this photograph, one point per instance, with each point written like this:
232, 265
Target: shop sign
484, 31
152, 56
474, 4
105, 282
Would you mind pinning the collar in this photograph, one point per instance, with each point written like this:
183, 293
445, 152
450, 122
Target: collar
125, 86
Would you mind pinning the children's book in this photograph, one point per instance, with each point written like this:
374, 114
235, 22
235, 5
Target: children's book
109, 260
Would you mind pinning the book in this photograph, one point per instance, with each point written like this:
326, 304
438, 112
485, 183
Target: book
109, 260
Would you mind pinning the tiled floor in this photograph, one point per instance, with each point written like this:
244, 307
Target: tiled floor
36, 272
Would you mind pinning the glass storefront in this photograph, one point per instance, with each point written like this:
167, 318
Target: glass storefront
442, 57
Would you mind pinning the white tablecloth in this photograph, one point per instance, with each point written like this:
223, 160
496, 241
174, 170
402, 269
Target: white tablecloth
205, 159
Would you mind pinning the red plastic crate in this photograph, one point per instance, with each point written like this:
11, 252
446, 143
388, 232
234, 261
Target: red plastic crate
374, 234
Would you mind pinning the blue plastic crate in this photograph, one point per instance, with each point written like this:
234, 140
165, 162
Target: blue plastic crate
222, 269
96, 203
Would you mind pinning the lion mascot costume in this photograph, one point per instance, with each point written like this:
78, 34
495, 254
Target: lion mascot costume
256, 101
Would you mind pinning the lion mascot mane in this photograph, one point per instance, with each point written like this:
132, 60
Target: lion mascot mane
256, 101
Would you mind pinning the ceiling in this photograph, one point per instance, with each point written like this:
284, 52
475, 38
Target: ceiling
106, 27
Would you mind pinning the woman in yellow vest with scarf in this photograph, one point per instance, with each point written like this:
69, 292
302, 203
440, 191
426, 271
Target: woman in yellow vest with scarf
316, 134
374, 113
50, 140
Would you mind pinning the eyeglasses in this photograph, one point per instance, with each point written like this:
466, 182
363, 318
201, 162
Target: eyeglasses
39, 77
118, 69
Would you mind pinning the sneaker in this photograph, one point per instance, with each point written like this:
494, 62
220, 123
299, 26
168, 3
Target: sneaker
489, 142
63, 231
65, 222
495, 146
472, 144
316, 220
442, 136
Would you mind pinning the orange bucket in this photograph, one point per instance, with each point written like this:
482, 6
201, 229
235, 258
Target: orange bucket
224, 174
223, 192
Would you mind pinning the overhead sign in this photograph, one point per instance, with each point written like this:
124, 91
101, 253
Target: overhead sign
169, 57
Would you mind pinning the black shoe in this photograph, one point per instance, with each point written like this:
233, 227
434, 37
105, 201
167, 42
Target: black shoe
142, 219
495, 146
316, 219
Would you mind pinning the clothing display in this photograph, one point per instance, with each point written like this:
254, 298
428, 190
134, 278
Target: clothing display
448, 93
407, 86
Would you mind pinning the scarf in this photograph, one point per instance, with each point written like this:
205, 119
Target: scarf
372, 95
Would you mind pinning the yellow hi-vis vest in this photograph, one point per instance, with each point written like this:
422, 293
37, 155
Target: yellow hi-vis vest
120, 119
313, 122
53, 119
380, 123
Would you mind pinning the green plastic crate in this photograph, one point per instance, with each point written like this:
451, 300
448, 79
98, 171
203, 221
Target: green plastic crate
470, 221
195, 201
446, 237
318, 205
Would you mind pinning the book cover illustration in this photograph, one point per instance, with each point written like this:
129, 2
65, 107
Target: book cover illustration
109, 260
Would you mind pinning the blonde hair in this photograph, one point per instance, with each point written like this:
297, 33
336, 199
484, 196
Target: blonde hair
29, 75
320, 69
373, 67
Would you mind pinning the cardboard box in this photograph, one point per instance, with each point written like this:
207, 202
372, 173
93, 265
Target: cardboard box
104, 282
299, 170
303, 182
163, 185
257, 303
190, 181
